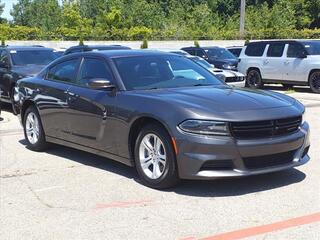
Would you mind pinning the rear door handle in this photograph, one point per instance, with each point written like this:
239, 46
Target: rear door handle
266, 61
286, 62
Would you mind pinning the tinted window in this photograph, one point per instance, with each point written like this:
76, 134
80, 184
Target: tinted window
312, 47
219, 53
38, 57
190, 51
65, 71
294, 50
275, 50
255, 49
149, 72
4, 57
94, 68
200, 53
235, 51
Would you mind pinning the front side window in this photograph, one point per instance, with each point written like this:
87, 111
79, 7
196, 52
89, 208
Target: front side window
94, 69
275, 50
152, 72
200, 53
294, 50
64, 71
312, 47
4, 58
220, 53
28, 57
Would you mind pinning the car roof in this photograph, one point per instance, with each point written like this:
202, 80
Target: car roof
98, 47
26, 48
283, 41
209, 47
123, 53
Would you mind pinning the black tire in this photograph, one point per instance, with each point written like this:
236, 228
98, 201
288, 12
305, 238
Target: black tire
40, 144
287, 85
314, 82
254, 79
169, 177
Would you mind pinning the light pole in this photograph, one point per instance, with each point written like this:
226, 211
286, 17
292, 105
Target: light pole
242, 17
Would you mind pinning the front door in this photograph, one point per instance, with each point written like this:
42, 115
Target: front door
91, 108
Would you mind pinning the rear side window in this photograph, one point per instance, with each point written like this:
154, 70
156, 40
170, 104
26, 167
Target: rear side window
200, 53
190, 51
255, 49
65, 71
92, 69
294, 50
275, 50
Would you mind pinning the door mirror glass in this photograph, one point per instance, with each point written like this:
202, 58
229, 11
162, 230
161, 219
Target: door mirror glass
100, 84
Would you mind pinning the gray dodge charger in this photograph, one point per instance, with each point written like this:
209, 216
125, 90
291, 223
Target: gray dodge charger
163, 114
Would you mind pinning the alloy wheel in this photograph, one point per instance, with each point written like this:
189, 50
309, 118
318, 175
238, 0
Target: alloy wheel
32, 128
315, 82
152, 156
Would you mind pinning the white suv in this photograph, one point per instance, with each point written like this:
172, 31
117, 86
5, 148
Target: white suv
288, 62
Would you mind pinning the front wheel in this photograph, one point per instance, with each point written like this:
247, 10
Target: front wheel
254, 79
314, 82
33, 130
155, 158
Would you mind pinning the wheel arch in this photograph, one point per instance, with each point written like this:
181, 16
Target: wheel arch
26, 104
136, 127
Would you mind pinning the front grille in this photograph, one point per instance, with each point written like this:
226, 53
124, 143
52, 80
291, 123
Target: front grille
265, 129
234, 79
269, 160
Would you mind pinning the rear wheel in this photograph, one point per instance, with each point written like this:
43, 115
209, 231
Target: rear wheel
314, 82
254, 79
155, 158
33, 130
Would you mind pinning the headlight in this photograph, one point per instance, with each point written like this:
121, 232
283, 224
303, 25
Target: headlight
205, 127
227, 66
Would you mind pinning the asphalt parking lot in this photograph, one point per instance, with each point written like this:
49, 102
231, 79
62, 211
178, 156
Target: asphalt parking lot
68, 194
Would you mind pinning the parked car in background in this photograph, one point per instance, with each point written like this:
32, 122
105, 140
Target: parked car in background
86, 48
289, 62
175, 51
163, 114
59, 52
219, 57
18, 62
235, 50
233, 78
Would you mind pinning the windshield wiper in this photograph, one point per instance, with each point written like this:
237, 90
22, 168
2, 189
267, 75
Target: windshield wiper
202, 84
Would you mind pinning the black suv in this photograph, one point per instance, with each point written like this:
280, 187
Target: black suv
219, 57
87, 48
17, 62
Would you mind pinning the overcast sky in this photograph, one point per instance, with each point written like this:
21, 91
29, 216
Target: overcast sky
7, 8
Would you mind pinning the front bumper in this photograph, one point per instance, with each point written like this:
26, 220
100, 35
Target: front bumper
195, 152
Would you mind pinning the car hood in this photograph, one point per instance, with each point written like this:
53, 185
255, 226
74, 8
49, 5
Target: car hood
220, 99
28, 70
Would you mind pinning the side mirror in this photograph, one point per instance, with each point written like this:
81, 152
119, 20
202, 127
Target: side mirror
100, 84
302, 54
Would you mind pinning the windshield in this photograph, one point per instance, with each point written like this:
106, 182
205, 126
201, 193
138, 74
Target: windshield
152, 72
202, 62
312, 47
220, 53
37, 57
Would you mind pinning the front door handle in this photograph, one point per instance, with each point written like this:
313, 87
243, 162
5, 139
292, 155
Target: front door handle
286, 62
266, 61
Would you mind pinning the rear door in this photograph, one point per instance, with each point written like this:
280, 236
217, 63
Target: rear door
52, 98
90, 108
272, 68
